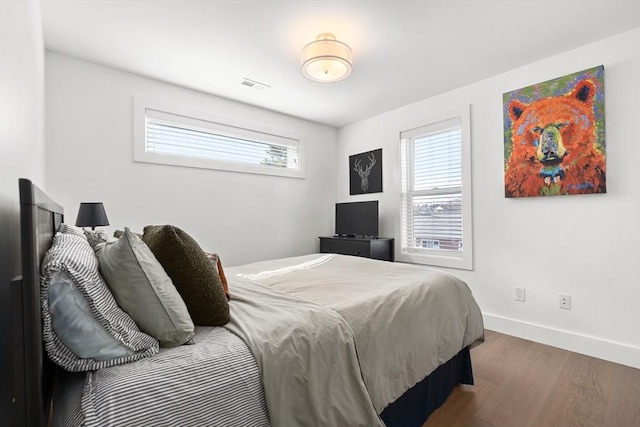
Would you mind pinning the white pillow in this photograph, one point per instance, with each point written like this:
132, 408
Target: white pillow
74, 324
98, 236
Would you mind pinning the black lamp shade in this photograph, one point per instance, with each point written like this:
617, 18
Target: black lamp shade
91, 215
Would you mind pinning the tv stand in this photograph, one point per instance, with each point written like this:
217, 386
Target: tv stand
369, 247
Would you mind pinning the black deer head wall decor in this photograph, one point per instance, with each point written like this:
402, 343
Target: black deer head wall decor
365, 172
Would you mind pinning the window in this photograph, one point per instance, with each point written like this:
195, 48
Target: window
435, 216
173, 135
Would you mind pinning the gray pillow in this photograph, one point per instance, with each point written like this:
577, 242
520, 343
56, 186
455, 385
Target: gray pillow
143, 289
71, 253
192, 273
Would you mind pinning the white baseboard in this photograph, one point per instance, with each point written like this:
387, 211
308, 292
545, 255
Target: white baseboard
591, 346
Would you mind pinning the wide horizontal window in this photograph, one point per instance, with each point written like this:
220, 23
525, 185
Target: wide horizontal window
175, 136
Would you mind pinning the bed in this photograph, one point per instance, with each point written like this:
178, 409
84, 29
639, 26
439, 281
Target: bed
313, 340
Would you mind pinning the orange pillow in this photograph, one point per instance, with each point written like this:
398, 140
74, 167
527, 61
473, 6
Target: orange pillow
215, 260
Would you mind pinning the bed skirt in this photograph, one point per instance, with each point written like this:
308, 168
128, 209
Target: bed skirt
414, 407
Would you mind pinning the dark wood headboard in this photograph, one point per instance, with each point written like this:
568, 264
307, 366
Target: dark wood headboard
33, 373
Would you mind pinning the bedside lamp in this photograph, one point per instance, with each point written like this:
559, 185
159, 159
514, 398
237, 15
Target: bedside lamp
91, 215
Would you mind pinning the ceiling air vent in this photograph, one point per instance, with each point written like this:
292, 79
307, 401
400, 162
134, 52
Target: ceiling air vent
254, 84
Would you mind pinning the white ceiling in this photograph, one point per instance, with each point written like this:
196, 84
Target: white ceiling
403, 51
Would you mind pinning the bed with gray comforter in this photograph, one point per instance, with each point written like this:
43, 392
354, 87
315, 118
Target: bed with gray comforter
317, 340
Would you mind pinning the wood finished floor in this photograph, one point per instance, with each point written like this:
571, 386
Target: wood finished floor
521, 383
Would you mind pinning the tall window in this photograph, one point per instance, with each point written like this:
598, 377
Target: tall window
176, 136
436, 194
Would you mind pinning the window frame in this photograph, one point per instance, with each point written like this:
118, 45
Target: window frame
441, 258
241, 128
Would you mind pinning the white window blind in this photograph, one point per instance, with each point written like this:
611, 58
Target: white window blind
432, 212
179, 138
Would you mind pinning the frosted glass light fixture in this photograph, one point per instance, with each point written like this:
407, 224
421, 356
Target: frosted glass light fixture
326, 59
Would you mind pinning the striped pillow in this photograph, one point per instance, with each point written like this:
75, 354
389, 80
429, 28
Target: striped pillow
72, 255
71, 229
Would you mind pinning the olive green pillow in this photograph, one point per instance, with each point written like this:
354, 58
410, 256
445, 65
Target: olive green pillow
191, 272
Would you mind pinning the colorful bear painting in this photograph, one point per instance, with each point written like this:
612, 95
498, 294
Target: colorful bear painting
554, 137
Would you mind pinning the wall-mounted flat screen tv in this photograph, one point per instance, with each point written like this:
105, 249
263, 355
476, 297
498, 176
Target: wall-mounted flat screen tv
357, 219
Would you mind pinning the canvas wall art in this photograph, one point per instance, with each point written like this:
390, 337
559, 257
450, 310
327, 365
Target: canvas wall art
365, 172
554, 137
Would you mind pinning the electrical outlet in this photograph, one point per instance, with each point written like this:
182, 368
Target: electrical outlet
565, 302
520, 294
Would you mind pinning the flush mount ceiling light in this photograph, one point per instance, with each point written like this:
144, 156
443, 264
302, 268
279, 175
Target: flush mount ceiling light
326, 59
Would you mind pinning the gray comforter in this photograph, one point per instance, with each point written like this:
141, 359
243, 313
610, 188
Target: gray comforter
338, 338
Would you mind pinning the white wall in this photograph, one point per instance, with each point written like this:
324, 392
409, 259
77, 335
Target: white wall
243, 217
586, 246
21, 148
